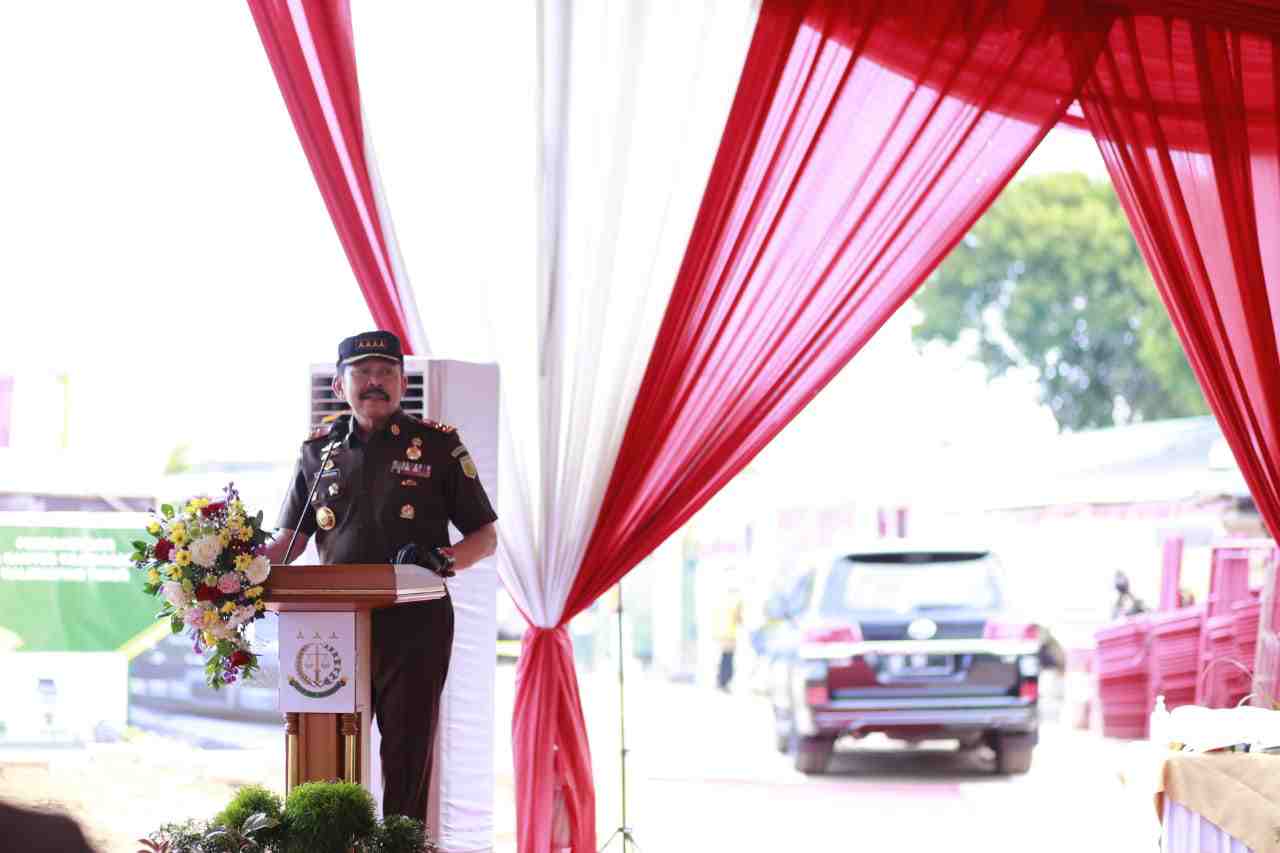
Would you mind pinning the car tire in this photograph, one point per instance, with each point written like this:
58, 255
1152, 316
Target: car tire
812, 755
1013, 753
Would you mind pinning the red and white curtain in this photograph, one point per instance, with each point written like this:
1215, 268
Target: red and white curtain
733, 200
309, 44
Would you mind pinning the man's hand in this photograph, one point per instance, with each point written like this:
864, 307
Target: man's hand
275, 548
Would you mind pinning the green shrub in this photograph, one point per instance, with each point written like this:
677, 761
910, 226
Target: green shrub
327, 817
248, 801
397, 834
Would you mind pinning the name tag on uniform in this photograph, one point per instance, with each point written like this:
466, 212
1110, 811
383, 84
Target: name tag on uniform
410, 469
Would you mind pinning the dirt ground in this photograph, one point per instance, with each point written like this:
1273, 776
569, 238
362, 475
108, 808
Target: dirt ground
119, 792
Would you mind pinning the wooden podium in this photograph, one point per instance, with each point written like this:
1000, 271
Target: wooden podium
334, 744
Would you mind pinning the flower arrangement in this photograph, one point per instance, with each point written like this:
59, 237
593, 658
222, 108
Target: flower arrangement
208, 565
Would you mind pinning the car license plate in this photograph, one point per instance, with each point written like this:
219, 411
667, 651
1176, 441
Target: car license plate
921, 664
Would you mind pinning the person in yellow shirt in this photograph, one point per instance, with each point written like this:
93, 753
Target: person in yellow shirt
728, 620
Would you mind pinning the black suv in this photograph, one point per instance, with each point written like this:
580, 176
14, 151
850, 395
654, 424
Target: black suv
908, 642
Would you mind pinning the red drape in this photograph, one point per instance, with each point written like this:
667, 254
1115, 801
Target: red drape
1185, 112
862, 144
838, 188
309, 44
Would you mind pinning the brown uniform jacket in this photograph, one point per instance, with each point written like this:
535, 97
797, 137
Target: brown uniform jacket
382, 491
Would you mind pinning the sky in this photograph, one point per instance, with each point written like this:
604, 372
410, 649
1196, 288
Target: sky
166, 247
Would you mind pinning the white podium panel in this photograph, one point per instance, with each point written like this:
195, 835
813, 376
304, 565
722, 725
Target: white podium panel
319, 666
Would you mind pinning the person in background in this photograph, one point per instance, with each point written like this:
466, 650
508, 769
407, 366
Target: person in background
1127, 604
728, 620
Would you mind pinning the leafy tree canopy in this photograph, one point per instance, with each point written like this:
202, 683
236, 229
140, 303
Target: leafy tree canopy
1050, 278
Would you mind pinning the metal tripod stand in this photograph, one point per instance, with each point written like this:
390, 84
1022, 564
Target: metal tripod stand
623, 831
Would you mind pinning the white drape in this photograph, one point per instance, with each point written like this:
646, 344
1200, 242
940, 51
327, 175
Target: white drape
633, 97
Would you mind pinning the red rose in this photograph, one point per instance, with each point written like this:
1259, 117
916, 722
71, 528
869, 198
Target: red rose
164, 548
206, 593
240, 657
213, 509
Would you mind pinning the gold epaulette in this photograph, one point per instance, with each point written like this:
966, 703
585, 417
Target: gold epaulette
439, 427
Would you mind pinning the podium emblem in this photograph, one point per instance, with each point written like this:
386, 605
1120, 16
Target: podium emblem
317, 671
325, 519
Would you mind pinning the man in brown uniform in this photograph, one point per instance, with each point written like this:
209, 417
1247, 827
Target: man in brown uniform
388, 486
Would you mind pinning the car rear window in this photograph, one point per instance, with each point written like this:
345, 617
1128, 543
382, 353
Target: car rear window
902, 583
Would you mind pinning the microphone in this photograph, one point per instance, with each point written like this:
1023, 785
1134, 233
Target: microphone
341, 429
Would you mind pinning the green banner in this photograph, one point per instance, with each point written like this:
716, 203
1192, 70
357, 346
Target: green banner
71, 588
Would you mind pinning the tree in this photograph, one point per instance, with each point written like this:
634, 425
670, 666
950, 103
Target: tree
1050, 278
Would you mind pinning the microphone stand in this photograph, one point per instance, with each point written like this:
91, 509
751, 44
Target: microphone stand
315, 485
623, 831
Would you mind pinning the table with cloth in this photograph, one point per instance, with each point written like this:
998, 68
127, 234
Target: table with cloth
1226, 802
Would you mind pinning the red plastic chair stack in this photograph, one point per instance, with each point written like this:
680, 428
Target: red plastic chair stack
1122, 667
1175, 656
1247, 615
1222, 677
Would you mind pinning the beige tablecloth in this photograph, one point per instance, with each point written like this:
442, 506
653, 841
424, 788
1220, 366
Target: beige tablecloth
1239, 792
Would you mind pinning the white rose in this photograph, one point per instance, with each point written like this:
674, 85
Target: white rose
258, 570
175, 594
205, 551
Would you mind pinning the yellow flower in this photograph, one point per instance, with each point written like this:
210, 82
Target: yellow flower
243, 561
178, 534
245, 533
182, 557
154, 528
229, 607
253, 592
224, 536
208, 638
260, 605
174, 572
188, 585
153, 576
210, 617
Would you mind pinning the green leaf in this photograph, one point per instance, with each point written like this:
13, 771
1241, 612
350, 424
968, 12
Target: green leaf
139, 545
167, 510
175, 625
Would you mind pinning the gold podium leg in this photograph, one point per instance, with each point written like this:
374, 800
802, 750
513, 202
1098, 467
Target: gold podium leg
292, 764
351, 743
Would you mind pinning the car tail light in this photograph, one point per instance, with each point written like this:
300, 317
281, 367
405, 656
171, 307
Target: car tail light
833, 634
816, 694
1010, 631
1029, 691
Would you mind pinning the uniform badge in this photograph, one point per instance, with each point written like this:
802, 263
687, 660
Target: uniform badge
411, 469
325, 519
328, 465
334, 490
468, 467
406, 511
414, 454
395, 429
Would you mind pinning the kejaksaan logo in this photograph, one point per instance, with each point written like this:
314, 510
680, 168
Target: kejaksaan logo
317, 671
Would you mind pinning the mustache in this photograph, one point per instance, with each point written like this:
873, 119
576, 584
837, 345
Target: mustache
375, 394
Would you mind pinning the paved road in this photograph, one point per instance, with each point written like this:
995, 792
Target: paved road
703, 775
